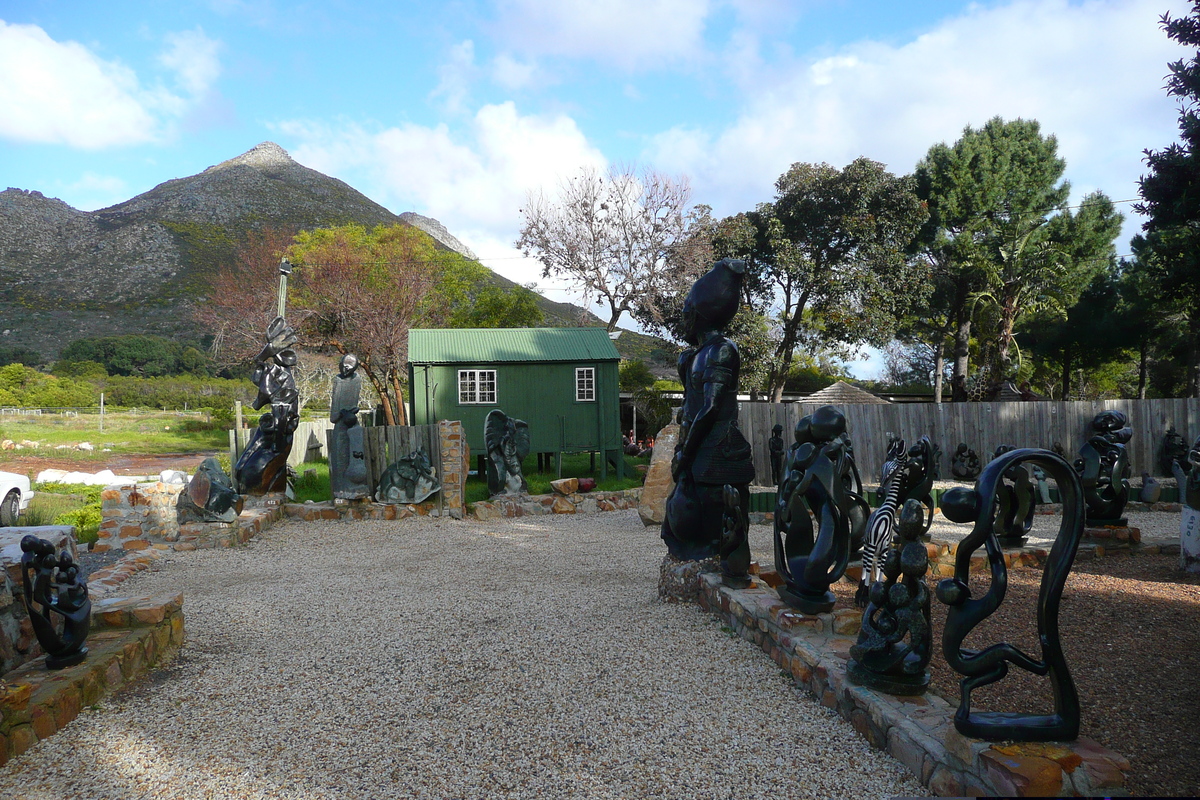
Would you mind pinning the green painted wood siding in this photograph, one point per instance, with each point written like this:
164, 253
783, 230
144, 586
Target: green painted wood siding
542, 394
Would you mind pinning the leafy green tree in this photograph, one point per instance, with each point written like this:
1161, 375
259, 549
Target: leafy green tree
21, 355
634, 375
134, 354
1169, 248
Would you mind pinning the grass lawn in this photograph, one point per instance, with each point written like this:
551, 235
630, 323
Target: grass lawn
124, 432
66, 504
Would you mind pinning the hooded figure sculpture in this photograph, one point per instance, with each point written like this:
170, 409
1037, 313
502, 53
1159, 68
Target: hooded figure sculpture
711, 451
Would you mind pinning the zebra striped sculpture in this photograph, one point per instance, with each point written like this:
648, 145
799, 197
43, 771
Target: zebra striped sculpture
907, 474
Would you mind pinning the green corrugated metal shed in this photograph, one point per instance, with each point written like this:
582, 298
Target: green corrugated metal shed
533, 374
496, 345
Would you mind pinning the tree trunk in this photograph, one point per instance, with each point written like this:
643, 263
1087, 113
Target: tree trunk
1008, 319
1143, 367
389, 416
1066, 374
938, 364
401, 415
962, 352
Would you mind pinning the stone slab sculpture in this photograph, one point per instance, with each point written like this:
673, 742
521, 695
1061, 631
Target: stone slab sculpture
775, 445
262, 466
711, 453
964, 464
984, 665
652, 508
409, 480
210, 496
347, 461
507, 441
895, 641
816, 481
56, 599
1104, 468
1189, 524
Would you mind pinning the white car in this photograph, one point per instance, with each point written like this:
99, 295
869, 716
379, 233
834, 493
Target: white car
14, 489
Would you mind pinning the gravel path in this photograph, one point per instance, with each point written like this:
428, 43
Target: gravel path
520, 658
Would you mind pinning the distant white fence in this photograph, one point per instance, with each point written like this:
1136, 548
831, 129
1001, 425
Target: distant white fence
983, 426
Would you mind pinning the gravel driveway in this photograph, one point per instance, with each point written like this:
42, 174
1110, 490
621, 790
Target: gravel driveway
428, 658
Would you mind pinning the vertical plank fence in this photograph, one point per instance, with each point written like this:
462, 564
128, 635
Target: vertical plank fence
983, 426
386, 444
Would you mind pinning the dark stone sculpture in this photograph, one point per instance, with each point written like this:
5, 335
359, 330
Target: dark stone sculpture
210, 496
59, 588
776, 448
410, 480
1014, 519
1104, 469
1058, 449
347, 465
990, 664
711, 452
1151, 489
1189, 479
964, 464
816, 479
262, 466
898, 608
734, 550
1174, 452
507, 441
907, 474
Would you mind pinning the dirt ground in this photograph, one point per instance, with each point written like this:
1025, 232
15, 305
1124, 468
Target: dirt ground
121, 464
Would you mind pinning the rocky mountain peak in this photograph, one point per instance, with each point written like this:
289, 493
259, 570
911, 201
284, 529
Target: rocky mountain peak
266, 155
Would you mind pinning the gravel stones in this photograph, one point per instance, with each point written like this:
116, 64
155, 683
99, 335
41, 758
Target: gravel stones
430, 658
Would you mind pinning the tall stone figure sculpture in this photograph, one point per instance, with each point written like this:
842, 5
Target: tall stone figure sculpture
776, 447
347, 465
982, 665
711, 452
1104, 468
262, 466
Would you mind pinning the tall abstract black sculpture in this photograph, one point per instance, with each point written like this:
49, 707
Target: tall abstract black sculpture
62, 593
262, 466
347, 461
964, 464
711, 452
816, 479
894, 642
1174, 452
990, 664
776, 447
1104, 468
507, 441
1016, 499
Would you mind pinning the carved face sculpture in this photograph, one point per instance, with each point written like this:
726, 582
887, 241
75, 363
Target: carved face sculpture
348, 366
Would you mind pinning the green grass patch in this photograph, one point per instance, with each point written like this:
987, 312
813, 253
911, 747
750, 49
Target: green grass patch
312, 482
574, 465
124, 433
66, 504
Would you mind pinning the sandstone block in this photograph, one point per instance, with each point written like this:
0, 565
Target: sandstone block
1029, 776
135, 544
565, 485
659, 483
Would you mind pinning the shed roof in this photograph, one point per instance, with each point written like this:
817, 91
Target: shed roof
842, 393
488, 345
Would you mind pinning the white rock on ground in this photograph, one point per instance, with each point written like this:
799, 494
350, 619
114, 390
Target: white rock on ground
433, 658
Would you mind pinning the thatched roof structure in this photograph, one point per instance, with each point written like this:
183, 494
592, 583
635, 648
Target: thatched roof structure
842, 393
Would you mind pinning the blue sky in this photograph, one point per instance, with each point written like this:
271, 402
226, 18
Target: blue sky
458, 109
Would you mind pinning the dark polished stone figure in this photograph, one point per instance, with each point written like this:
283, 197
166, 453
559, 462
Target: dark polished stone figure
1189, 479
61, 591
409, 480
990, 664
262, 466
898, 609
507, 441
210, 496
711, 451
347, 464
1174, 452
964, 464
816, 480
1104, 469
1017, 503
734, 551
776, 447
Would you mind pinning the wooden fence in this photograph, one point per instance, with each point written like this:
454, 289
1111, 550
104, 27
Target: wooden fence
983, 426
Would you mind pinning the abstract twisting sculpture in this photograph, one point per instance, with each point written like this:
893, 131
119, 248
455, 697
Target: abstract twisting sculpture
347, 462
1104, 469
990, 664
964, 464
1014, 517
815, 479
59, 589
210, 495
507, 441
262, 466
898, 609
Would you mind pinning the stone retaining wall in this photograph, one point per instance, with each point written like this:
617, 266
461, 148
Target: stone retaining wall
144, 516
541, 504
917, 731
129, 637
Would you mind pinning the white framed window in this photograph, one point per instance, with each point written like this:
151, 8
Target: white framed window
585, 384
476, 386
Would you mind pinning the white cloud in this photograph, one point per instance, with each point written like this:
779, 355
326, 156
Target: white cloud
60, 92
195, 58
627, 33
455, 76
513, 74
474, 181
1090, 72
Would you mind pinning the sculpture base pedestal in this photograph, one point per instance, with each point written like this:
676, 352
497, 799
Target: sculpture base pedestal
736, 581
907, 685
53, 662
677, 579
808, 603
1012, 541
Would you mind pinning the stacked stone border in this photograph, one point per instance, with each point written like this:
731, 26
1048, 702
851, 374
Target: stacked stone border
144, 517
571, 503
129, 637
917, 731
